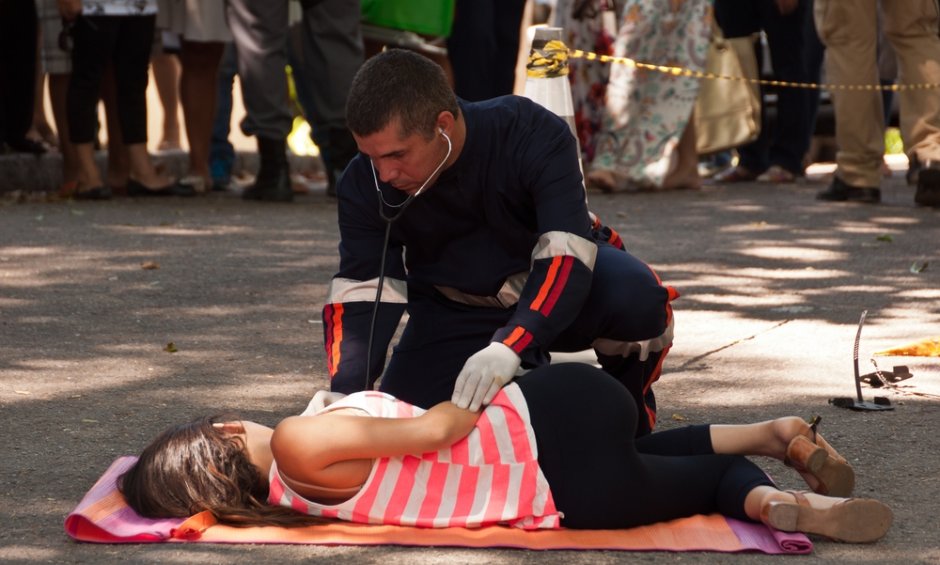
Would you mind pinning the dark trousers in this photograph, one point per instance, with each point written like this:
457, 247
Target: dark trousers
483, 47
17, 67
125, 42
796, 55
600, 477
626, 303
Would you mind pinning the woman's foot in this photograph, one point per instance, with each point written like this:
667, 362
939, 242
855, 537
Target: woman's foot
602, 180
685, 179
852, 520
799, 446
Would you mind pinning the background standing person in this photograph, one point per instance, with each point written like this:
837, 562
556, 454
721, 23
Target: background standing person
589, 25
119, 31
203, 33
492, 249
260, 31
331, 51
18, 43
849, 29
647, 140
796, 56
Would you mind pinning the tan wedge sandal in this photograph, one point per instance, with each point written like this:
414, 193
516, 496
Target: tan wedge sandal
853, 520
816, 458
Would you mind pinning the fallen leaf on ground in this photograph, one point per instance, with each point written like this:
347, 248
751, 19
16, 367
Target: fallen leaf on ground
679, 417
928, 347
919, 267
149, 265
885, 237
170, 348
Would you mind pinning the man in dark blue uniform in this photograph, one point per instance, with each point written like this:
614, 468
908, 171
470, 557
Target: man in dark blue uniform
476, 214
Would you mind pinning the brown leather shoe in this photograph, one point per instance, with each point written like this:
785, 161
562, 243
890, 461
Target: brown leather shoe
814, 457
852, 520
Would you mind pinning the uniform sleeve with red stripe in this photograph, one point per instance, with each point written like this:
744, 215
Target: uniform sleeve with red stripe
563, 259
347, 315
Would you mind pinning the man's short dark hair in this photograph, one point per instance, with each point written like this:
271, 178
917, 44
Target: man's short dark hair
399, 84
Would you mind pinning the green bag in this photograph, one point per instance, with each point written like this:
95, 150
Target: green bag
428, 17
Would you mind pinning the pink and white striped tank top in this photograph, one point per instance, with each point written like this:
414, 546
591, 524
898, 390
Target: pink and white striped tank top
490, 477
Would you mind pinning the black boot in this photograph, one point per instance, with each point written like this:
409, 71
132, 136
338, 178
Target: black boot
273, 181
336, 150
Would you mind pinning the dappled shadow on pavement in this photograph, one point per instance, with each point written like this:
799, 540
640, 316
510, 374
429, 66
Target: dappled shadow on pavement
772, 287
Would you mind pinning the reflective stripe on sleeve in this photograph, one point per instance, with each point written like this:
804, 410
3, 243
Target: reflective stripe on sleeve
394, 291
559, 243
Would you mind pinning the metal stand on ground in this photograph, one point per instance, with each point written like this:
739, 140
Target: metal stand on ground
857, 403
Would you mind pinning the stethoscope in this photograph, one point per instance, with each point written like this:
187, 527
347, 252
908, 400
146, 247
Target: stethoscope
389, 219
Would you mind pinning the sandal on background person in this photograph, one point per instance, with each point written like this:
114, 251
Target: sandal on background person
777, 175
820, 464
735, 174
93, 193
198, 184
136, 188
852, 520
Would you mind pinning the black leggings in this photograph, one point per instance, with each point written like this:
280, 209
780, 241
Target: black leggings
601, 477
126, 42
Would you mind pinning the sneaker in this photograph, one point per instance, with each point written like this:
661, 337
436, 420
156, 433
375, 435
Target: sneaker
928, 187
840, 191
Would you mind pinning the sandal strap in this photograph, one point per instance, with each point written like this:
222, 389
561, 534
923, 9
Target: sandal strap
800, 497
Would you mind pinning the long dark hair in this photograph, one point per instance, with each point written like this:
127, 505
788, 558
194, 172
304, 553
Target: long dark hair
194, 467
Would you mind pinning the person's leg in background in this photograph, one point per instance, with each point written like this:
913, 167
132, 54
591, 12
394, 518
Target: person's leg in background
848, 29
260, 31
57, 63
332, 53
166, 75
740, 18
483, 46
796, 107
119, 166
18, 29
93, 41
221, 150
198, 83
131, 58
912, 30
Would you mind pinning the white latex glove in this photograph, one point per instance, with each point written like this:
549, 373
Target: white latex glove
321, 400
484, 373
657, 343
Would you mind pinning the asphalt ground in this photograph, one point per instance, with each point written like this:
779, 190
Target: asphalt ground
772, 283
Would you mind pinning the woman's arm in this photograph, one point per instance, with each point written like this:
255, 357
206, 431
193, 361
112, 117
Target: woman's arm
313, 449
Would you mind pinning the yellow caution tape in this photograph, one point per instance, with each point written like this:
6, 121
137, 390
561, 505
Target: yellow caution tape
683, 72
549, 61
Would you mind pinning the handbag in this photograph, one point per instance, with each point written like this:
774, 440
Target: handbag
727, 112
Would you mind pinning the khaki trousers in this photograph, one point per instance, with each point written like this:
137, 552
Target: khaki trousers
848, 28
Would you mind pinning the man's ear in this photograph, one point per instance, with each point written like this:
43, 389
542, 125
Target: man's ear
230, 427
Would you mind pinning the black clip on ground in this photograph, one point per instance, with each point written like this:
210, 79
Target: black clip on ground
857, 403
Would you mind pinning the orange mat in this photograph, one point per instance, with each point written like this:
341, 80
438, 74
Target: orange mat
102, 516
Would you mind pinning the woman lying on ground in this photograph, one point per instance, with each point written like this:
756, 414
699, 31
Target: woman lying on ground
555, 448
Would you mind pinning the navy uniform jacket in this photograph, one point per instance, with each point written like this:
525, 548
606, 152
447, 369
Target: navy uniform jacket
506, 225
